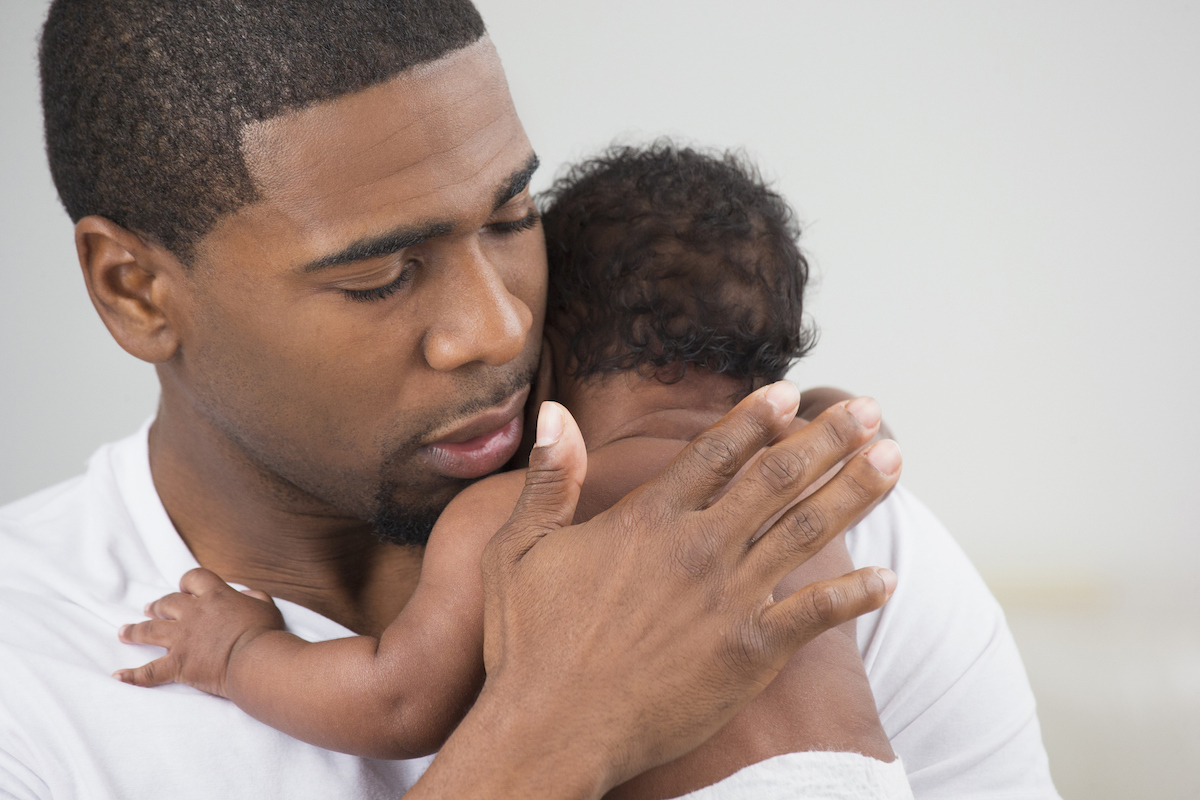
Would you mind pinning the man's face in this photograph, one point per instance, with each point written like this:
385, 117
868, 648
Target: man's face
367, 330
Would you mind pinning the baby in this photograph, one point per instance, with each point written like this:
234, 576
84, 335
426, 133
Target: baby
676, 288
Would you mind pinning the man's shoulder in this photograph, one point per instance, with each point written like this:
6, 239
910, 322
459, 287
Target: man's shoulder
41, 528
903, 529
938, 590
947, 678
42, 507
57, 517
49, 575
74, 545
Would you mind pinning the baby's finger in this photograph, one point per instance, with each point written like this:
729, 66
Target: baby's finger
173, 606
200, 581
156, 673
158, 632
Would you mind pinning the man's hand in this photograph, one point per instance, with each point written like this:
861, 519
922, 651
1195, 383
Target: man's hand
620, 643
202, 626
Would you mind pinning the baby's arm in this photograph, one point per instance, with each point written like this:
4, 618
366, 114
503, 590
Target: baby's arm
398, 696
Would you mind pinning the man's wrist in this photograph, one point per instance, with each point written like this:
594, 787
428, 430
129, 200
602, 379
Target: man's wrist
508, 748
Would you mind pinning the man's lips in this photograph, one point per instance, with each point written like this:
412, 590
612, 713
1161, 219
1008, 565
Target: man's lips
483, 444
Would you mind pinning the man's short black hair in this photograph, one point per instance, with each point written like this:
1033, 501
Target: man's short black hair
145, 100
666, 256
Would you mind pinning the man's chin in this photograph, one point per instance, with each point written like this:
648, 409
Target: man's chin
405, 526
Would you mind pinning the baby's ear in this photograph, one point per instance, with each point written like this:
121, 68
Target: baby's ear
814, 401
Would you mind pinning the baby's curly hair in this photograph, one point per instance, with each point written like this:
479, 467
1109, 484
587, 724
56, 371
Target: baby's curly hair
666, 256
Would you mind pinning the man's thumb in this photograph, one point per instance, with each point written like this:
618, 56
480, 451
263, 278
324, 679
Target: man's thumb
557, 467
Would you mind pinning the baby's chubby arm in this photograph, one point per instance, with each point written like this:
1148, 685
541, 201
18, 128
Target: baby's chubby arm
398, 696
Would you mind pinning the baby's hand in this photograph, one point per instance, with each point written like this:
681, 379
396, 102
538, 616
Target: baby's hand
202, 627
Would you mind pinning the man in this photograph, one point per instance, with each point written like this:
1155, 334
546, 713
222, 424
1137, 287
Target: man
314, 219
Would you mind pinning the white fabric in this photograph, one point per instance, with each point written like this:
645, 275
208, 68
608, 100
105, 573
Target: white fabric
80, 559
947, 678
813, 776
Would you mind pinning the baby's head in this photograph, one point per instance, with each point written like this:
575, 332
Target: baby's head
666, 257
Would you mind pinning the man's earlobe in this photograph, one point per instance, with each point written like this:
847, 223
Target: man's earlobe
126, 281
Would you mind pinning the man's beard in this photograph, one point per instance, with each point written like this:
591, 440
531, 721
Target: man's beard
404, 525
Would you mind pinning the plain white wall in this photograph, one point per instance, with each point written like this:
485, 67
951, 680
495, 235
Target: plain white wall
1002, 204
65, 386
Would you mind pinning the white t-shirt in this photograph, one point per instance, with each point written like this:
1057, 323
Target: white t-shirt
82, 558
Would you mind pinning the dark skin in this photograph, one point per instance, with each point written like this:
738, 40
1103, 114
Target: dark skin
678, 612
289, 477
271, 474
400, 696
821, 700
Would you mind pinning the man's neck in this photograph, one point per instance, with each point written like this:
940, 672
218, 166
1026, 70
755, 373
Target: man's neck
250, 527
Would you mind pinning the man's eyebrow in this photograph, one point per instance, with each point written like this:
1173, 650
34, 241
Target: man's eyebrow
380, 246
517, 183
410, 237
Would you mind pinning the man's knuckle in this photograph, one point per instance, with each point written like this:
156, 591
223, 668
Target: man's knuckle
839, 431
627, 517
691, 559
823, 605
541, 478
782, 469
856, 492
716, 450
804, 525
492, 553
639, 515
698, 553
539, 507
751, 646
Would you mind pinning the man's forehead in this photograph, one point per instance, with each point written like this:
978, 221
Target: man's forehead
430, 136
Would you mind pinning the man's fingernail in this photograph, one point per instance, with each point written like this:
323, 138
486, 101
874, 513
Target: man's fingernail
123, 632
783, 396
889, 579
885, 457
865, 410
549, 424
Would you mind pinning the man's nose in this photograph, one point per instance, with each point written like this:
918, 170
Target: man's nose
478, 318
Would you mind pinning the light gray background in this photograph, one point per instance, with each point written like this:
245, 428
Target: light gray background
1002, 203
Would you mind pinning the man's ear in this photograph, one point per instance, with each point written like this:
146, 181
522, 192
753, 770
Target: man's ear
127, 281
